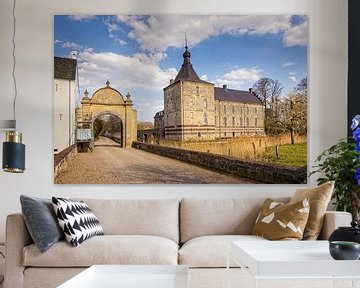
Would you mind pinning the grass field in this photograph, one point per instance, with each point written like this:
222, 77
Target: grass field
288, 155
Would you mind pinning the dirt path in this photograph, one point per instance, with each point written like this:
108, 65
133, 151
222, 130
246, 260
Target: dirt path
110, 164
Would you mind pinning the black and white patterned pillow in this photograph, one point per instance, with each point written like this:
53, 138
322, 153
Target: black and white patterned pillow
77, 220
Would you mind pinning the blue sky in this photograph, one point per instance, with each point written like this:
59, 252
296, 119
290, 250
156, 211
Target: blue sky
140, 54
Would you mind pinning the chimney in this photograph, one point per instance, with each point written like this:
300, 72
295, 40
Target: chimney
171, 81
225, 87
73, 55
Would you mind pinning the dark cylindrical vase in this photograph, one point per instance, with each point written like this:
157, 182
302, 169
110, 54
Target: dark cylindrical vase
13, 153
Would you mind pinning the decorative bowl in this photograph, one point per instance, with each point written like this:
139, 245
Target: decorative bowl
344, 250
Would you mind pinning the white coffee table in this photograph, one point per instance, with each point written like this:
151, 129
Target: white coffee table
293, 260
131, 276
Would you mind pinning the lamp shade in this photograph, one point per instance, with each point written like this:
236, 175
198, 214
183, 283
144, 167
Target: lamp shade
13, 153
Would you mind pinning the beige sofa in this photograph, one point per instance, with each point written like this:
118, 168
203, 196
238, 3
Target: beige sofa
194, 232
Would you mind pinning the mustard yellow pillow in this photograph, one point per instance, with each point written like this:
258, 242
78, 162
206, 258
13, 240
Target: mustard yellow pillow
319, 198
279, 221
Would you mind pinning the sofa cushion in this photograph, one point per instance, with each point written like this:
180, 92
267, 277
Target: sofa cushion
279, 221
41, 221
319, 198
77, 220
158, 217
107, 249
200, 217
211, 251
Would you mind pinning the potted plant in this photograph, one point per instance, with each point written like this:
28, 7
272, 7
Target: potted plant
341, 163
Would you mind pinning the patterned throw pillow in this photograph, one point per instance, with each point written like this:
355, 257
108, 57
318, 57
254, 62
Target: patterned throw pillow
319, 198
77, 220
279, 221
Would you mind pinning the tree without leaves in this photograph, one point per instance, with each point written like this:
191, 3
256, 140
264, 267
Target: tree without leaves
291, 113
269, 92
294, 115
301, 87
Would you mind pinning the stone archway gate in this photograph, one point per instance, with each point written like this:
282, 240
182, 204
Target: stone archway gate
108, 100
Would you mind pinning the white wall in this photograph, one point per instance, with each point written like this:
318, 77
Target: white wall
34, 39
64, 104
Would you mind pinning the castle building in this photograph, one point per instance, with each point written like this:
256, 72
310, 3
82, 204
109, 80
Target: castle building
197, 110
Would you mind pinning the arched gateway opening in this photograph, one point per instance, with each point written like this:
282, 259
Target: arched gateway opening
111, 116
110, 126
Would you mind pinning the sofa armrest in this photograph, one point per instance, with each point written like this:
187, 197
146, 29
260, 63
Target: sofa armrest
333, 220
17, 237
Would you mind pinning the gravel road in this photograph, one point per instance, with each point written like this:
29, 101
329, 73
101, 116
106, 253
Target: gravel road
110, 164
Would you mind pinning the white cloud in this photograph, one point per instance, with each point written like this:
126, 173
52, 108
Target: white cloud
296, 35
81, 17
153, 33
292, 76
238, 78
125, 72
121, 42
288, 64
68, 45
113, 30
204, 77
112, 27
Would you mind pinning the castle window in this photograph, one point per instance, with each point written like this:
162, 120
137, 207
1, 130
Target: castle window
241, 110
205, 104
256, 111
247, 122
205, 119
233, 121
224, 121
256, 123
56, 87
224, 109
199, 134
247, 110
241, 122
197, 90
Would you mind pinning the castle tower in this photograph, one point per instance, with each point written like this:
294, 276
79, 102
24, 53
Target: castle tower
189, 105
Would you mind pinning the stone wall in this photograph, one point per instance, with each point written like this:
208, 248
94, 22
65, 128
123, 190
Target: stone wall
62, 159
262, 172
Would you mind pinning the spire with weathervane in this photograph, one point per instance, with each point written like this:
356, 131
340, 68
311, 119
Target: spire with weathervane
187, 71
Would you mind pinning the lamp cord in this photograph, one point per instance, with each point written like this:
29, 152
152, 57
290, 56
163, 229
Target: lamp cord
14, 61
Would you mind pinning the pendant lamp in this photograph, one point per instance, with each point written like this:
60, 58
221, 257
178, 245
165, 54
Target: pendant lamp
13, 158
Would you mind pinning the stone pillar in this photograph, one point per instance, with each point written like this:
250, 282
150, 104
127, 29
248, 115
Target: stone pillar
130, 127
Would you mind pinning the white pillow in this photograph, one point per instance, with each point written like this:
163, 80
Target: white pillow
76, 220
